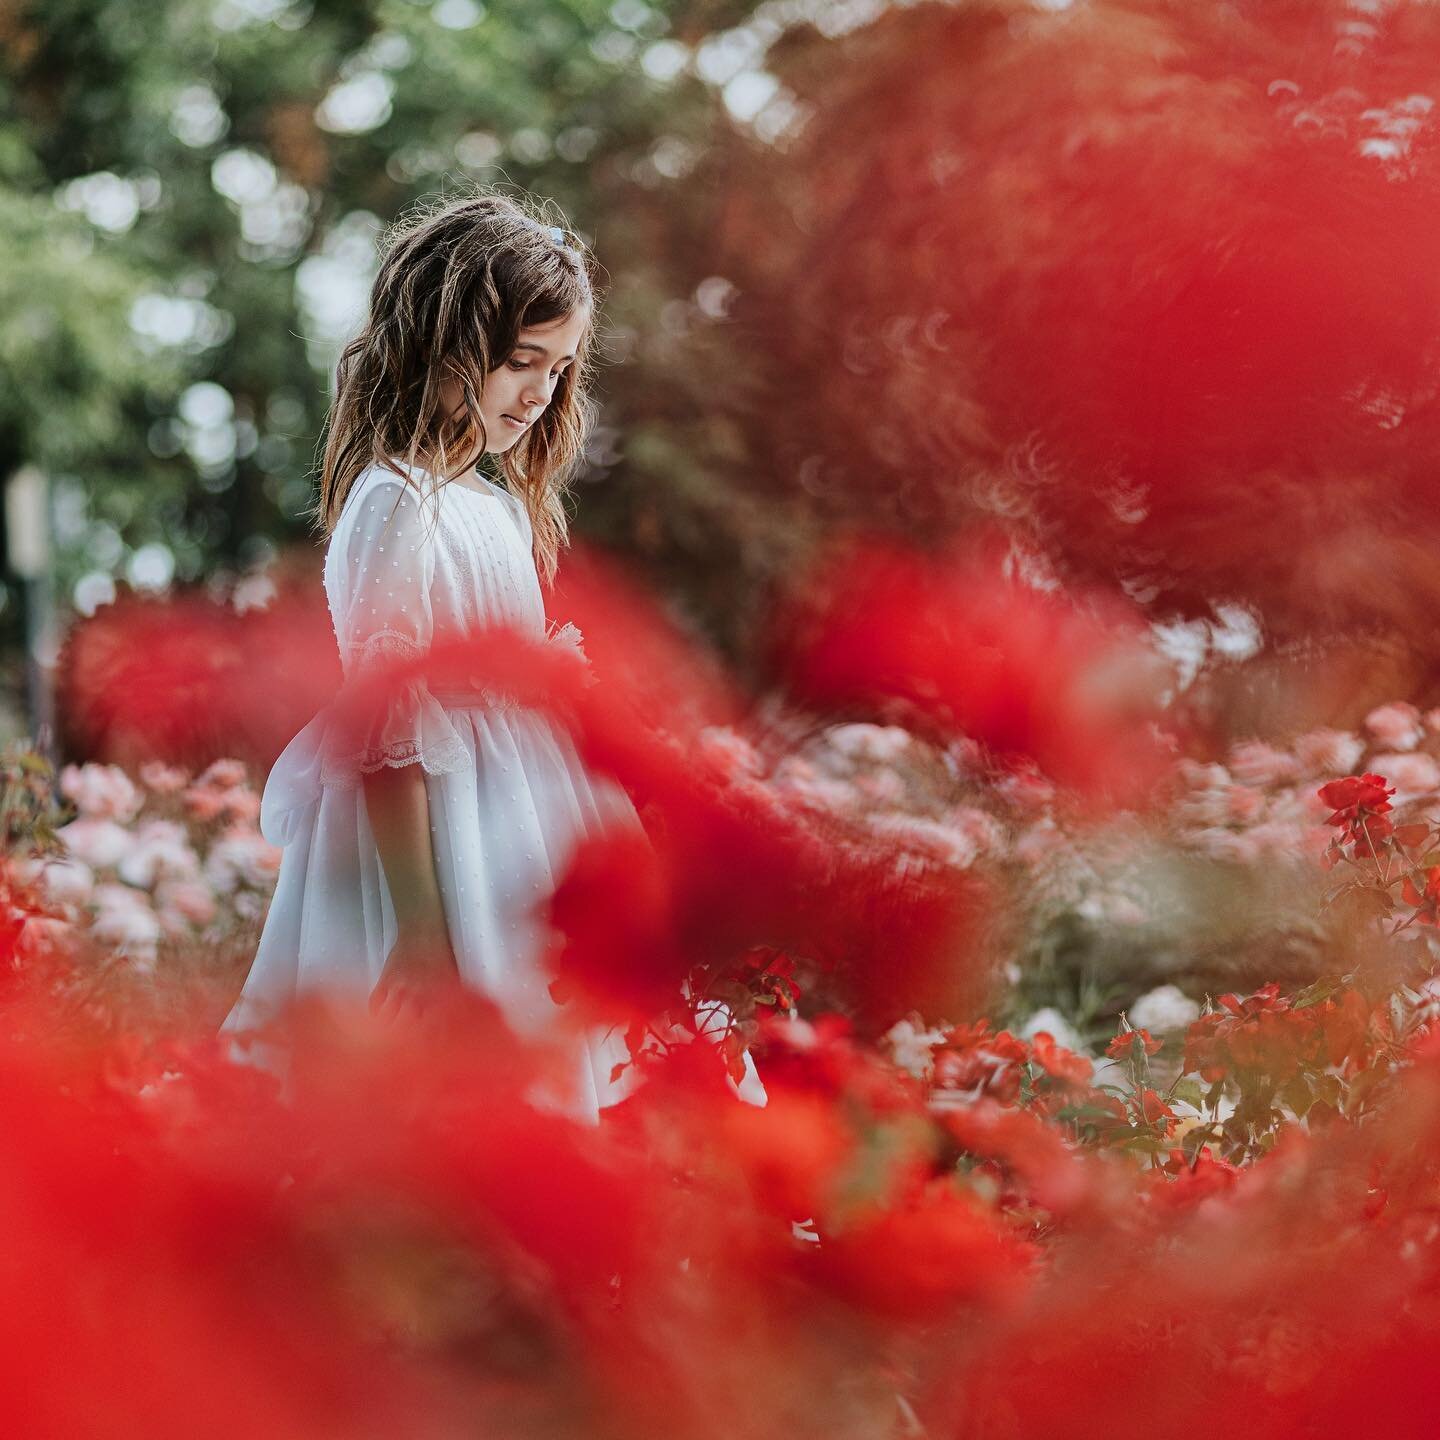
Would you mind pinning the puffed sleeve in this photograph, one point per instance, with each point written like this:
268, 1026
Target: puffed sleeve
387, 561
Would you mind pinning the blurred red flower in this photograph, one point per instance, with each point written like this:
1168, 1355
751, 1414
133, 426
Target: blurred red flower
954, 644
1360, 804
1426, 901
1058, 1062
1125, 1043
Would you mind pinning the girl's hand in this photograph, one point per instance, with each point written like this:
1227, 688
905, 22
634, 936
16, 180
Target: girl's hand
418, 972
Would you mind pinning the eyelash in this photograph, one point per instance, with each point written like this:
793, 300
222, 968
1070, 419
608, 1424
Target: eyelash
524, 366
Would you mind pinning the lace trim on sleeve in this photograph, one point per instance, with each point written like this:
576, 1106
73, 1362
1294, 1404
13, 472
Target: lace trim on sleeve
382, 647
406, 726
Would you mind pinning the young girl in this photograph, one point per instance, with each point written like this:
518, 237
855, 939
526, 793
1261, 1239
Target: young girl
417, 844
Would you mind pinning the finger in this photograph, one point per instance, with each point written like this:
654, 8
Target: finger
390, 1002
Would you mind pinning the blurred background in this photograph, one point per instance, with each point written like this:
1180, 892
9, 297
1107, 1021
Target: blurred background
1127, 303
1169, 323
194, 193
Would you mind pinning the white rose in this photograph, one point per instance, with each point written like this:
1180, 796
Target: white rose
880, 744
163, 779
1397, 726
1166, 1007
1199, 775
1329, 752
125, 919
242, 857
101, 844
1252, 762
159, 856
913, 1050
1227, 845
942, 841
730, 750
182, 905
979, 828
820, 790
884, 786
1412, 775
1060, 1029
248, 906
223, 775
44, 935
1278, 839
103, 792
67, 882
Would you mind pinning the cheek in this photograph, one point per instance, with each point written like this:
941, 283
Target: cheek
498, 385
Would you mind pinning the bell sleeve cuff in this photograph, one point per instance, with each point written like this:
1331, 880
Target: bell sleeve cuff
379, 723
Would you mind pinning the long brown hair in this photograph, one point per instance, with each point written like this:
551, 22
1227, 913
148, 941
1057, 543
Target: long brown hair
457, 283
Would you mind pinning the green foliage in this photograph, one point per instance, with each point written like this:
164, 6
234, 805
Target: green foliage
172, 206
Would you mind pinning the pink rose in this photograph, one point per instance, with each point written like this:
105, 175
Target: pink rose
242, 857
223, 775
1242, 804
930, 837
42, 936
102, 792
883, 786
163, 779
1396, 726
731, 751
880, 744
1329, 752
980, 827
1252, 762
125, 920
183, 903
67, 882
100, 844
1412, 775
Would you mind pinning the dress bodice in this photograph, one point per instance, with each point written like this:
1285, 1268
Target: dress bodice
460, 555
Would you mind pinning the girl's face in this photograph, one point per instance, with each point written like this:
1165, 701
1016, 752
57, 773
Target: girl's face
523, 384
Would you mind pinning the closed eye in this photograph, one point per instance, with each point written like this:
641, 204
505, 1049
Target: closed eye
523, 365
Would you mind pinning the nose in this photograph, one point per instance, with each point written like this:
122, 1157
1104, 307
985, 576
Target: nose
539, 393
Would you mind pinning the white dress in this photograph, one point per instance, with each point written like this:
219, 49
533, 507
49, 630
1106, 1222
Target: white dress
508, 794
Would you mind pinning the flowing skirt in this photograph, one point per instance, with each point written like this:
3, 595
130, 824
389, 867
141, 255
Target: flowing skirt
503, 830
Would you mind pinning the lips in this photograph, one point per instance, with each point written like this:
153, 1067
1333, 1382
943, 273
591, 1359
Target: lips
518, 424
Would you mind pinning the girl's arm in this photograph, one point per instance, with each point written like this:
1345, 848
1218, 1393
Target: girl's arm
423, 957
384, 562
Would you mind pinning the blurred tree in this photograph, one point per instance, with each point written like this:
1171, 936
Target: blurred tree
192, 235
1151, 285
1146, 283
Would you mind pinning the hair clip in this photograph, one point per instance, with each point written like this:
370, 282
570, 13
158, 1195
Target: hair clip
559, 236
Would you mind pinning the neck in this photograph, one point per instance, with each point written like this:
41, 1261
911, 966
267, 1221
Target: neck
457, 469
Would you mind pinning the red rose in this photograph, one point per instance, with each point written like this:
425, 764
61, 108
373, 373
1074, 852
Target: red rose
1348, 797
1124, 1043
1065, 1065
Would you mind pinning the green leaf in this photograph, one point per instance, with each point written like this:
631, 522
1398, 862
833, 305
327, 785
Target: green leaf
1297, 1095
1086, 1112
1322, 989
1190, 1091
1146, 1144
